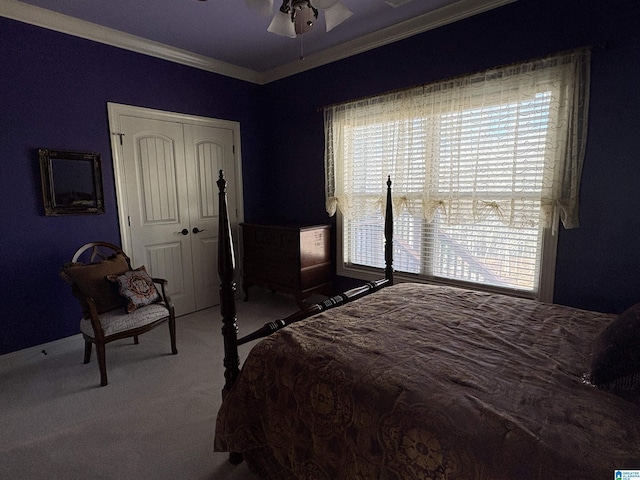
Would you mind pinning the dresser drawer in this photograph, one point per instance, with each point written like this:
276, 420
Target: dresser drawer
270, 275
271, 256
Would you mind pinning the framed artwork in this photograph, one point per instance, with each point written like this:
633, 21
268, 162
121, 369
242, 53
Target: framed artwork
71, 182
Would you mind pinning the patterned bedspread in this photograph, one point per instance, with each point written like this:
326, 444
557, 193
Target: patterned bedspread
427, 382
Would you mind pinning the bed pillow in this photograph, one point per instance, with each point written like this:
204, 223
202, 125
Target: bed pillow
136, 287
88, 280
615, 364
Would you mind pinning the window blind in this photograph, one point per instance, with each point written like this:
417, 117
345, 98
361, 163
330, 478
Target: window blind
479, 166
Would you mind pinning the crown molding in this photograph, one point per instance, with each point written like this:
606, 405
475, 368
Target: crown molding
80, 28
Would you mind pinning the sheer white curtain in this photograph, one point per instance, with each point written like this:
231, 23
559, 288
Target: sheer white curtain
507, 143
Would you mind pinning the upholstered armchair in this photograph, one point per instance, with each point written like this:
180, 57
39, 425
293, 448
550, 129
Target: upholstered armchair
117, 300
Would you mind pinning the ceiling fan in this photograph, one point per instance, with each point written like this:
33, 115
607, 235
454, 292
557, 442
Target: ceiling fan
296, 17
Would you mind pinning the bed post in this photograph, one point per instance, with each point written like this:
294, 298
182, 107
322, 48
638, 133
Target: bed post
388, 235
226, 271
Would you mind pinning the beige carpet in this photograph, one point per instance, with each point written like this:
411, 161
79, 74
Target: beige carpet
154, 420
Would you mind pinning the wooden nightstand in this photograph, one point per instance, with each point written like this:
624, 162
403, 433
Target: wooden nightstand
294, 260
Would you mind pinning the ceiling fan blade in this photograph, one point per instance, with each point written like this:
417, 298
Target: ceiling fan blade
336, 14
263, 7
282, 25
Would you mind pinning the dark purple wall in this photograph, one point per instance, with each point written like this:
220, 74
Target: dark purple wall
54, 89
598, 264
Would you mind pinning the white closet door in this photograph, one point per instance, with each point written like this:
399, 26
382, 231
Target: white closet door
208, 150
158, 203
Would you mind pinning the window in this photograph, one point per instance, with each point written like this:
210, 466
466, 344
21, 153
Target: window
482, 168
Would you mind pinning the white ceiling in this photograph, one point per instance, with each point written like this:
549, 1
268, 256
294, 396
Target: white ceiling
227, 37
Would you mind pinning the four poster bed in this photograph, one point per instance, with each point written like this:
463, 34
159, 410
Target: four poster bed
412, 381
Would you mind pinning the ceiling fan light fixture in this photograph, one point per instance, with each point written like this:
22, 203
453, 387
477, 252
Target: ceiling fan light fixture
282, 25
336, 14
295, 17
304, 20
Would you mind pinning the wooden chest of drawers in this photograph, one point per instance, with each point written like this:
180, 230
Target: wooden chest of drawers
294, 260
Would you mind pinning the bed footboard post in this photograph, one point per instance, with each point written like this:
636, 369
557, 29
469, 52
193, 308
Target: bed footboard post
388, 235
226, 271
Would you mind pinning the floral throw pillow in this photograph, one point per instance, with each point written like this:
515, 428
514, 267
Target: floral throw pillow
136, 287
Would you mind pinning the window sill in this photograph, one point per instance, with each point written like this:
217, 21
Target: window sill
369, 274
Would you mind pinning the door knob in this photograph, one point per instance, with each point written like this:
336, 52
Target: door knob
184, 231
197, 230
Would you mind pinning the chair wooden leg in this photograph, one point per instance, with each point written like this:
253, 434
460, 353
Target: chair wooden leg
87, 351
102, 363
135, 339
172, 333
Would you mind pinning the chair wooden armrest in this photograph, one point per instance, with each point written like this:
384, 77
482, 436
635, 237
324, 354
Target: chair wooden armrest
163, 291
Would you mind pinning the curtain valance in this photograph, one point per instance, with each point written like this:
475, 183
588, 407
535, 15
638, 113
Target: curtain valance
508, 142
